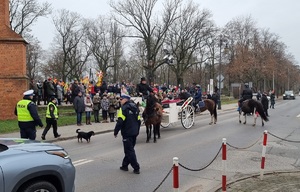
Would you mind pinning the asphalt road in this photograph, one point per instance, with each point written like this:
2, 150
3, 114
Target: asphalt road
97, 163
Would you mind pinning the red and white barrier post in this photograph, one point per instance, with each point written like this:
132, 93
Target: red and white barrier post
224, 165
263, 155
175, 174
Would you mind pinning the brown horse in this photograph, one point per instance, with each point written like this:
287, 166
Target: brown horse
152, 116
211, 106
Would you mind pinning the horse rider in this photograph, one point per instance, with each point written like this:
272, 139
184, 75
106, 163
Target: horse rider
198, 95
143, 89
246, 94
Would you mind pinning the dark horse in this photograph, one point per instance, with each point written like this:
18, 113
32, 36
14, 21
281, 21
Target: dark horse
251, 106
211, 106
152, 116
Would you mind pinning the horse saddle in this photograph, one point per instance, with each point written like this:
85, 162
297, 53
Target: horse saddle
201, 104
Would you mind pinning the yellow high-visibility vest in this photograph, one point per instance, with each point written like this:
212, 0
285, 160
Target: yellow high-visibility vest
55, 112
22, 111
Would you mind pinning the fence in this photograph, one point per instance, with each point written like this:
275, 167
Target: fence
223, 149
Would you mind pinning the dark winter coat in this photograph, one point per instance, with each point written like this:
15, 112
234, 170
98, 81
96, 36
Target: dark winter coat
79, 105
144, 89
128, 120
265, 102
247, 94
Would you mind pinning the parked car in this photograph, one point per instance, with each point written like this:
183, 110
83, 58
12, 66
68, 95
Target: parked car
32, 166
288, 95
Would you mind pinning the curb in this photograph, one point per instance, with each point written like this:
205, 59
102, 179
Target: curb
219, 187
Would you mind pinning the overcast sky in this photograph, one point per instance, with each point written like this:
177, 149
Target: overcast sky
281, 17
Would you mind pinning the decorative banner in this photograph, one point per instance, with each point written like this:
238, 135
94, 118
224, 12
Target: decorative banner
85, 80
66, 87
100, 78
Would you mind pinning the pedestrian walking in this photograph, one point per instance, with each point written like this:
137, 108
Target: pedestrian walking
79, 107
51, 118
272, 99
129, 123
96, 107
28, 117
88, 108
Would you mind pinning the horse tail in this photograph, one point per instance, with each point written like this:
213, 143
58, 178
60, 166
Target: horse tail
261, 112
215, 110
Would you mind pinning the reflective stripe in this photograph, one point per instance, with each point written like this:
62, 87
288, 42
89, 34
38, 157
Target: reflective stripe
55, 112
120, 115
22, 111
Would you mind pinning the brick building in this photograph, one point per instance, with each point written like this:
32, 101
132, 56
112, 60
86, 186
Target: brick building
13, 79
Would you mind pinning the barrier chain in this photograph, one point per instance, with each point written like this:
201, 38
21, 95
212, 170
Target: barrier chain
204, 166
283, 138
244, 147
164, 179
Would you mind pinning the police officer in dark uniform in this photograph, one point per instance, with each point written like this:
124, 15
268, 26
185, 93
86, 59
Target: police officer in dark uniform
143, 89
51, 118
28, 117
129, 123
246, 94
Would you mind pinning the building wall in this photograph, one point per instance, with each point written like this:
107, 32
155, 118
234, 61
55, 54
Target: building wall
13, 79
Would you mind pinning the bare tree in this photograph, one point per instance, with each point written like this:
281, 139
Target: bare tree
24, 13
69, 40
105, 42
33, 59
187, 38
139, 15
258, 56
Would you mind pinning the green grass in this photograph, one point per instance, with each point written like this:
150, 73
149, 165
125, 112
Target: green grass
67, 116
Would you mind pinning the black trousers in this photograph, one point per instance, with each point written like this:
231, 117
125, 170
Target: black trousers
50, 122
130, 156
28, 133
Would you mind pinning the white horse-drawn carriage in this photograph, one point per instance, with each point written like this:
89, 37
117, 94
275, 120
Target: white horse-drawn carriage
185, 112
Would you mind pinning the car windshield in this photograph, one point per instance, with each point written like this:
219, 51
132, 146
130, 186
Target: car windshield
288, 92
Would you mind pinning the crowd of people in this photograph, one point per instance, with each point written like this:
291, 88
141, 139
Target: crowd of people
90, 98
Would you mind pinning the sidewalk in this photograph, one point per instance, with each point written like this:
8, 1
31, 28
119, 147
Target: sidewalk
69, 131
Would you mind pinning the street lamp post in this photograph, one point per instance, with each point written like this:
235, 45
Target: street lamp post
168, 59
219, 78
220, 69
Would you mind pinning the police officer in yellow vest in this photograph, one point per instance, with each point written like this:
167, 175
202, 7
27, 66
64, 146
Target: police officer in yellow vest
28, 117
51, 118
129, 123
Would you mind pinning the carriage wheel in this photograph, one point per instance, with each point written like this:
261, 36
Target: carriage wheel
164, 125
187, 117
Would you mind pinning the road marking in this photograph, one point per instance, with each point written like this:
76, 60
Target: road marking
81, 162
298, 115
